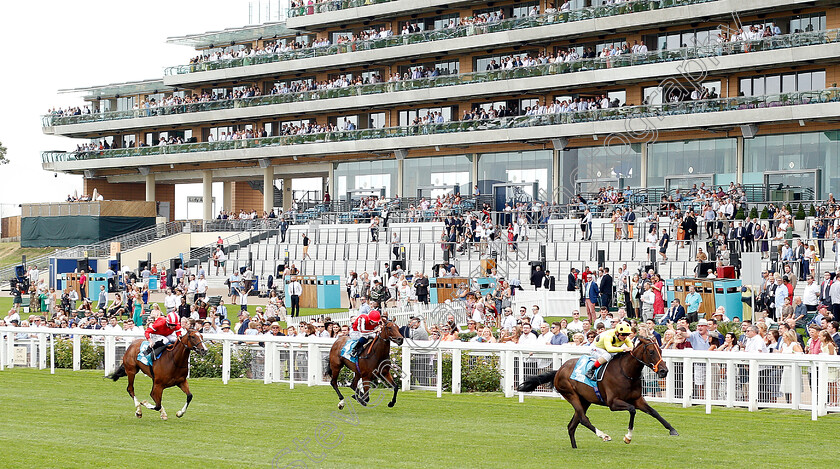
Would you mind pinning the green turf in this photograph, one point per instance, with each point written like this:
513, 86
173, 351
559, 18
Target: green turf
79, 419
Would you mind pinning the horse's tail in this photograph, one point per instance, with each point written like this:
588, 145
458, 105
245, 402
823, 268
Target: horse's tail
118, 374
327, 367
534, 382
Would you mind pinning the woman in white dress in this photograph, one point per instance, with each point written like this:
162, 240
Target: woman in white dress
789, 373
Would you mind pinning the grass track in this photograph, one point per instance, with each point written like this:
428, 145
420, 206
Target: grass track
79, 419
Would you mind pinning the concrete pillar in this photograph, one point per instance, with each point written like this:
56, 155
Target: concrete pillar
207, 182
150, 187
268, 188
227, 196
287, 194
644, 170
555, 177
739, 161
400, 179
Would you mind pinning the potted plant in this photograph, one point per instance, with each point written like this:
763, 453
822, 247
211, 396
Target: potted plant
753, 213
799, 219
764, 213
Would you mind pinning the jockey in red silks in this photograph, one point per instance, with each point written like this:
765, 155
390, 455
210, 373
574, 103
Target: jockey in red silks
164, 331
362, 328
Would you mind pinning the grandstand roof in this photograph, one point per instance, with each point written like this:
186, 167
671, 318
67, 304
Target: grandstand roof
234, 35
121, 89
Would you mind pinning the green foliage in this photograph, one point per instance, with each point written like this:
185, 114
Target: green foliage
466, 336
753, 212
800, 213
3, 159
789, 208
210, 365
92, 356
478, 373
765, 214
812, 212
740, 215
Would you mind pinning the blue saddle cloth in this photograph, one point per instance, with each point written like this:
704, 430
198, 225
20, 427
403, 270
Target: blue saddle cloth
347, 350
146, 359
579, 373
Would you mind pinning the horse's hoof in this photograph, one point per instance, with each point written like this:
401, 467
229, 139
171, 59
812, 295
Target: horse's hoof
606, 438
138, 415
674, 433
391, 404
164, 417
627, 440
341, 404
179, 414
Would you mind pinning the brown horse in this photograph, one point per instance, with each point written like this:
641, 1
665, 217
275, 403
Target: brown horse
620, 388
169, 370
376, 364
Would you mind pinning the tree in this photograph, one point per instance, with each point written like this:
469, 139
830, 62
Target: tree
3, 159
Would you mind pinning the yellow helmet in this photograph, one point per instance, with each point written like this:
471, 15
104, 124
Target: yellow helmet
622, 328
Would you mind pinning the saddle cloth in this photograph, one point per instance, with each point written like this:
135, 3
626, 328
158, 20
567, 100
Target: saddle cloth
348, 348
579, 373
146, 359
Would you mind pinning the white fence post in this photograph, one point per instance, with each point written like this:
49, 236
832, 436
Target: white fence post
669, 381
753, 386
814, 400
2, 351
225, 361
521, 374
268, 362
439, 373
406, 367
708, 386
796, 386
456, 371
110, 351
314, 366
52, 354
507, 372
42, 351
33, 354
10, 350
291, 366
688, 381
77, 352
730, 382
822, 389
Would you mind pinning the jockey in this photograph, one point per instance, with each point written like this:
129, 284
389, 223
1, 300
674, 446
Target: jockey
164, 331
362, 328
608, 344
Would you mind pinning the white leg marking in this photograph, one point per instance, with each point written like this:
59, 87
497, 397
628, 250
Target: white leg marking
628, 437
163, 415
602, 435
341, 404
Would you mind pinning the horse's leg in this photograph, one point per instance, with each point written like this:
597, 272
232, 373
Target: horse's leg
619, 405
386, 374
335, 370
355, 387
586, 423
156, 395
642, 405
186, 388
580, 407
130, 372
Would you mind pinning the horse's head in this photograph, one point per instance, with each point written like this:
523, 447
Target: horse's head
649, 354
193, 341
391, 332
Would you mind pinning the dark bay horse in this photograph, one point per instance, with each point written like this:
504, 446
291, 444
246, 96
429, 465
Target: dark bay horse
375, 364
169, 370
621, 387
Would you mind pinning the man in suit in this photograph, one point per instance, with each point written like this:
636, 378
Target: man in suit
738, 235
821, 232
832, 327
592, 294
572, 280
605, 288
537, 277
674, 313
749, 235
799, 256
549, 283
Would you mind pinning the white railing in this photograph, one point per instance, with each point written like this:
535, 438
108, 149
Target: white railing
730, 379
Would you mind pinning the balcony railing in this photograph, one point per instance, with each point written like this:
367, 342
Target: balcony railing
591, 115
439, 34
330, 5
581, 65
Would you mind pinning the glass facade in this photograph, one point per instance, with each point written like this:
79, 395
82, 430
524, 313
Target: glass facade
366, 175
517, 168
436, 171
683, 163
807, 162
590, 168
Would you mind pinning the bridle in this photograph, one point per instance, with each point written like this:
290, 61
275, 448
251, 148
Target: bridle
652, 366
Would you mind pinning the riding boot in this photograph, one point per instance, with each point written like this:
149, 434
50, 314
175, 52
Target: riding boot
590, 373
360, 346
158, 348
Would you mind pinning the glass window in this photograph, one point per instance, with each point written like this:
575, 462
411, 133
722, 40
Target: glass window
773, 84
516, 167
710, 157
376, 120
436, 171
366, 175
125, 104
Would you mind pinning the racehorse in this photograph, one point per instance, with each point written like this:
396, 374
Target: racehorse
169, 370
376, 363
620, 388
